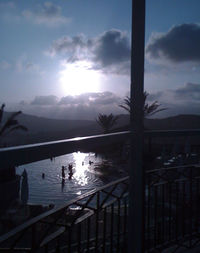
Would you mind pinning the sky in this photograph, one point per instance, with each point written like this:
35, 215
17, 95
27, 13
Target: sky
71, 58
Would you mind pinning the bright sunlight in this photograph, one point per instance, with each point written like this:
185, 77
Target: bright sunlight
79, 78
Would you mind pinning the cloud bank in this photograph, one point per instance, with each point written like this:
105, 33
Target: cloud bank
180, 44
84, 106
183, 100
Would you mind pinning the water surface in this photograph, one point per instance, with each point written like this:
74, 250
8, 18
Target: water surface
51, 188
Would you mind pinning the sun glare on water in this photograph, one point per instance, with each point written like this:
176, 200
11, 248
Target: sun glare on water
81, 168
79, 78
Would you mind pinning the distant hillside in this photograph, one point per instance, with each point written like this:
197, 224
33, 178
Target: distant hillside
38, 124
176, 122
43, 129
170, 123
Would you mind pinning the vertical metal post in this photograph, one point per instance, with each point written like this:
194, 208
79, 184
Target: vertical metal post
137, 186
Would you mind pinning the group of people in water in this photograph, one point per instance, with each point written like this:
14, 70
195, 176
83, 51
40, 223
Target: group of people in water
70, 173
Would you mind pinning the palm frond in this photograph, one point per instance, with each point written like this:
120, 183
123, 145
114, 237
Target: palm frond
1, 112
11, 123
148, 109
126, 104
18, 127
106, 122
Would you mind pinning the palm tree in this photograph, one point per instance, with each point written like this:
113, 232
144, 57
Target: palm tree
10, 124
8, 175
148, 109
106, 121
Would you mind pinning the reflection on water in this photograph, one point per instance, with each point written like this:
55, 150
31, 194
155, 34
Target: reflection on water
81, 168
46, 184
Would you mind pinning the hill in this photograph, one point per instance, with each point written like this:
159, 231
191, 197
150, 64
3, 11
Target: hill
44, 129
176, 122
170, 123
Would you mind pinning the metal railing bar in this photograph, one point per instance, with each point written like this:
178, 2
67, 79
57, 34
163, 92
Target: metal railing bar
46, 232
79, 238
196, 165
52, 236
104, 230
108, 194
83, 217
17, 239
118, 225
174, 181
40, 151
88, 234
85, 206
97, 223
111, 228
107, 204
15, 249
36, 152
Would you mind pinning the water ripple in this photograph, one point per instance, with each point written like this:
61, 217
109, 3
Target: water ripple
51, 188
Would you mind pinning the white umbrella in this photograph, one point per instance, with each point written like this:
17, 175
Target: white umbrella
24, 188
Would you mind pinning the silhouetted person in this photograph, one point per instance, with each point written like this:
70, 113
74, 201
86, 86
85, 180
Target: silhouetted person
63, 184
70, 171
63, 172
43, 175
70, 168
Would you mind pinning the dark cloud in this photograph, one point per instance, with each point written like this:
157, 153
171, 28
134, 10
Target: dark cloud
70, 47
109, 52
180, 44
112, 47
48, 14
44, 100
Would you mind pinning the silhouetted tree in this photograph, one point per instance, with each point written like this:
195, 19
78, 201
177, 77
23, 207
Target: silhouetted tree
10, 124
107, 121
149, 109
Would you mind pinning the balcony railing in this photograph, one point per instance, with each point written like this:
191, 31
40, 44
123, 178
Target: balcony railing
88, 223
97, 220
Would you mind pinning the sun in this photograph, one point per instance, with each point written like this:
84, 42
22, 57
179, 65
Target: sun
76, 79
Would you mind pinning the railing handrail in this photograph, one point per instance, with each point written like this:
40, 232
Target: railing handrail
35, 152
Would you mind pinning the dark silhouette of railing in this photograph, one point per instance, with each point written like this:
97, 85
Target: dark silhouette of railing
97, 220
173, 207
94, 221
